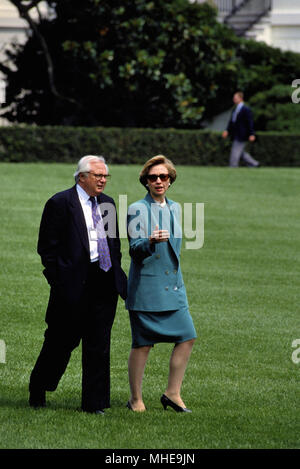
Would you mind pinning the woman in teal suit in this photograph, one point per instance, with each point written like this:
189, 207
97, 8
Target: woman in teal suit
157, 301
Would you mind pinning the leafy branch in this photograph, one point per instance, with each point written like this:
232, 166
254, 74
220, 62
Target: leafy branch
24, 7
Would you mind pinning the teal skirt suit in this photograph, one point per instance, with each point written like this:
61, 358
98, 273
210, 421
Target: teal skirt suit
156, 300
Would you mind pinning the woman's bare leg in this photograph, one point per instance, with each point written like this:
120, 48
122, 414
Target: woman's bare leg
136, 367
178, 363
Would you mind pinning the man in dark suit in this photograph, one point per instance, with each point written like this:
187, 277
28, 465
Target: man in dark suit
79, 247
240, 128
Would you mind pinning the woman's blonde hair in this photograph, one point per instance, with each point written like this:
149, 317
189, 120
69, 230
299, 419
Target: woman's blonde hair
155, 160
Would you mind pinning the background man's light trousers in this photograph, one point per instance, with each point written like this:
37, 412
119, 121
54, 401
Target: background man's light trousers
237, 152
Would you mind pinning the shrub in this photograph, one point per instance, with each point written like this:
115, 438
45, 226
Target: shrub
133, 146
274, 110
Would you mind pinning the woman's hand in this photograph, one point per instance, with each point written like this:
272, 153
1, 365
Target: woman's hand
159, 236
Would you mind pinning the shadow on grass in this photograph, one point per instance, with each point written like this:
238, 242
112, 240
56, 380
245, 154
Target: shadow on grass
52, 404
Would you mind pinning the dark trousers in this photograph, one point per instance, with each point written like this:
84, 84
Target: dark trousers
91, 323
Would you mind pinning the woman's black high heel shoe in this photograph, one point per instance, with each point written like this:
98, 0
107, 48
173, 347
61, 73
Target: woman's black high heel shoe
128, 405
167, 402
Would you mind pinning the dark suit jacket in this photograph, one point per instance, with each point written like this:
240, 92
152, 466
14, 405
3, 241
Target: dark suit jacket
64, 249
243, 127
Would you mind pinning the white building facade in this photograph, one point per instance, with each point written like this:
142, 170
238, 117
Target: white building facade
12, 29
276, 22
282, 28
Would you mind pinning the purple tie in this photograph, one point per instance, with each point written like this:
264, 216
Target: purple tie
103, 249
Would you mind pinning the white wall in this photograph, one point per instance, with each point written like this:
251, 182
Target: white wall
12, 29
280, 28
285, 5
285, 22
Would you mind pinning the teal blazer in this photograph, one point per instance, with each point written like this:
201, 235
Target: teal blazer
155, 280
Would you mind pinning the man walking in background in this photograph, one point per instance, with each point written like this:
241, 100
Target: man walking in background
81, 254
240, 128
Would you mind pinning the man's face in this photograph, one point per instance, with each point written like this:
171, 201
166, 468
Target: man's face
237, 98
94, 181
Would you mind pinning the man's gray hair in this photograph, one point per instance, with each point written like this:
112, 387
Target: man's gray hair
84, 165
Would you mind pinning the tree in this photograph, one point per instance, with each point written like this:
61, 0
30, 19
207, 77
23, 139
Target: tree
267, 75
142, 63
24, 8
123, 63
274, 109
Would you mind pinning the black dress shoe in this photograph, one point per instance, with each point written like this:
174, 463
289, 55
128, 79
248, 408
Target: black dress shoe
37, 398
97, 411
167, 402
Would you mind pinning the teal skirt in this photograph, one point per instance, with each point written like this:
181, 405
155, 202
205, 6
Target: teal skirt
150, 328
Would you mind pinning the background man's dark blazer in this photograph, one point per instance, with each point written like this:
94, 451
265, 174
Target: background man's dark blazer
64, 249
243, 127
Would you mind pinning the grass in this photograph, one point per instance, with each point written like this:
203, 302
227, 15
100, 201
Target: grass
243, 289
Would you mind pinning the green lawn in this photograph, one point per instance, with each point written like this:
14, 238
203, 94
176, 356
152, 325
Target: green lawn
243, 289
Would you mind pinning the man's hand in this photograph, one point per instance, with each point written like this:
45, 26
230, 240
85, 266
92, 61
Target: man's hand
225, 134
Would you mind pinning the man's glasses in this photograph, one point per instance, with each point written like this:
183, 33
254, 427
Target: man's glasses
100, 176
154, 177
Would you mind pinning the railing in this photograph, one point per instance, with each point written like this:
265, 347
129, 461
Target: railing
227, 6
241, 15
231, 6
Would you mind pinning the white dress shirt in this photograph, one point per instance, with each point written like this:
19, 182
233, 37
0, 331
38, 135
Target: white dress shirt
86, 205
236, 111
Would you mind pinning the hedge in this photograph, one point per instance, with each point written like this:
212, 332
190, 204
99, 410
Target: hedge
129, 145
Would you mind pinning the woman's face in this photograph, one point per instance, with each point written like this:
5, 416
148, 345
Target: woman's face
158, 181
